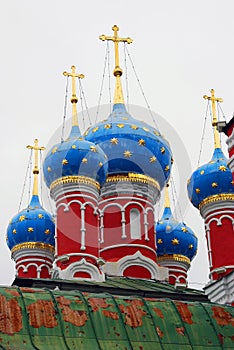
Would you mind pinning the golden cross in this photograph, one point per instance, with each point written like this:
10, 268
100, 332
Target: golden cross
74, 98
116, 39
36, 148
214, 99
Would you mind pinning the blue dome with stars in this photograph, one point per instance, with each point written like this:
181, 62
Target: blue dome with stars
174, 238
75, 157
31, 225
132, 146
213, 178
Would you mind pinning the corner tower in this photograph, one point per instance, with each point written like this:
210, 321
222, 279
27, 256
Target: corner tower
30, 234
211, 190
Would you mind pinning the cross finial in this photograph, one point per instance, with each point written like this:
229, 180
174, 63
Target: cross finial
74, 98
214, 99
117, 71
36, 148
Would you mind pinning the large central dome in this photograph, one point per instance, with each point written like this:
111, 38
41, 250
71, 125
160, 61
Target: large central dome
132, 146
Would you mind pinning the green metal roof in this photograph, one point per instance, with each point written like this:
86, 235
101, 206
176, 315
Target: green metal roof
44, 319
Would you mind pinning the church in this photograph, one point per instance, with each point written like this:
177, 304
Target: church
105, 272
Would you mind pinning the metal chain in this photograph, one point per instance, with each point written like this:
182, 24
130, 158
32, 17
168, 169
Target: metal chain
126, 75
25, 179
65, 110
141, 89
203, 135
101, 89
82, 94
109, 77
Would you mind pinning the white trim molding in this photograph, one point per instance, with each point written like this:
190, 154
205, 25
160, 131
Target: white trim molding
117, 268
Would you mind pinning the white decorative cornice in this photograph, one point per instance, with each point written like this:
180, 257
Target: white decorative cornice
221, 291
137, 259
213, 207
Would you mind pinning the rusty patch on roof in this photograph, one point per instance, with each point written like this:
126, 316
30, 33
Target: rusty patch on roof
10, 316
76, 317
27, 290
42, 313
184, 312
180, 330
13, 292
110, 314
220, 336
222, 317
158, 312
133, 313
97, 303
160, 333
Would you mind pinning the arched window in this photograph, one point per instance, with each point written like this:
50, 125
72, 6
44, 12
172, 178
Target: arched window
135, 224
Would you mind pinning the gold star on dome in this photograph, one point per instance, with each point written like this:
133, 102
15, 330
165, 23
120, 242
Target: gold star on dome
156, 133
47, 231
184, 229
40, 216
152, 159
175, 241
84, 160
49, 169
160, 241
107, 126
124, 118
73, 146
114, 141
134, 127
30, 229
54, 150
121, 126
146, 129
190, 246
22, 218
141, 142
214, 184
167, 168
222, 168
202, 172
64, 161
212, 162
160, 222
93, 149
81, 138
127, 154
168, 227
14, 231
100, 164
162, 150
95, 129
198, 190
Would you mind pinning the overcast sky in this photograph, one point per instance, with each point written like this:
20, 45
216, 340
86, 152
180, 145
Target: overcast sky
181, 50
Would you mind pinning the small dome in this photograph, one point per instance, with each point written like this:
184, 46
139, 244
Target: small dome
210, 179
33, 224
75, 157
174, 237
132, 146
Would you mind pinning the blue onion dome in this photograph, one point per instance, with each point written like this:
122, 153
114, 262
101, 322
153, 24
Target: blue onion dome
32, 227
211, 179
75, 157
174, 238
132, 146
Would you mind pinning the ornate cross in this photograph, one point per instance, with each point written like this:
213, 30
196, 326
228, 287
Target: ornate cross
36, 148
116, 39
74, 98
214, 99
